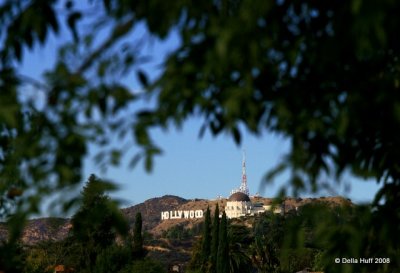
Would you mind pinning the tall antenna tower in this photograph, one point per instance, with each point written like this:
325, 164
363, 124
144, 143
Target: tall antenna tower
243, 186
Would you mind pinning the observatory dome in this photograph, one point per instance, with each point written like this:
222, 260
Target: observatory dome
240, 197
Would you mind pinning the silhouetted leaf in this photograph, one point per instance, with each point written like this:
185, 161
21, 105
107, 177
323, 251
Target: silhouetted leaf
142, 78
72, 20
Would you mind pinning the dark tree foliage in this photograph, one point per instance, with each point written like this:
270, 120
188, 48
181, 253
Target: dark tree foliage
113, 259
137, 248
12, 257
239, 240
206, 241
181, 232
195, 263
324, 74
144, 265
223, 248
214, 240
96, 224
268, 237
43, 256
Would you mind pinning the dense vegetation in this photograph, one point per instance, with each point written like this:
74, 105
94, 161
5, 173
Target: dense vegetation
274, 243
99, 242
296, 241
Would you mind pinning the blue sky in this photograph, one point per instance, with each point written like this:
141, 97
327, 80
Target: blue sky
191, 167
205, 168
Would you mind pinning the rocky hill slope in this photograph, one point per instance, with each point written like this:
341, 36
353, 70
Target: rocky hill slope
57, 228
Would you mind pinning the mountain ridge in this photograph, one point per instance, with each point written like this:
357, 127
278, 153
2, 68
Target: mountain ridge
57, 228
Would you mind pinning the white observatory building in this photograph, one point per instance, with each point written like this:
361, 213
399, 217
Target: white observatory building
239, 203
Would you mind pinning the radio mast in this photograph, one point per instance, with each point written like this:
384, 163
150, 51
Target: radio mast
243, 186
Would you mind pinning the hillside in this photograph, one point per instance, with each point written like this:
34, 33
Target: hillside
57, 228
151, 210
41, 229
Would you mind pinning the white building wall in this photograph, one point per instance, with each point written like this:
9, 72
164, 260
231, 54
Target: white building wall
234, 209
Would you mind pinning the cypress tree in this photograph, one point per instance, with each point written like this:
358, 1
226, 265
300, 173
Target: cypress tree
206, 241
223, 251
137, 248
214, 241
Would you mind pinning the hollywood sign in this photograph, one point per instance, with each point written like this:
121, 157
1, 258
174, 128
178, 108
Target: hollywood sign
179, 214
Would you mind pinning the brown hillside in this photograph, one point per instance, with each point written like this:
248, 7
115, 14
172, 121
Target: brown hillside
57, 228
195, 204
151, 210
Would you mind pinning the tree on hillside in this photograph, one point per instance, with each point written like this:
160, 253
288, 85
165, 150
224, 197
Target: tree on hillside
113, 259
13, 258
144, 265
195, 263
323, 74
206, 241
239, 240
45, 254
214, 240
96, 224
268, 241
223, 248
353, 226
137, 248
